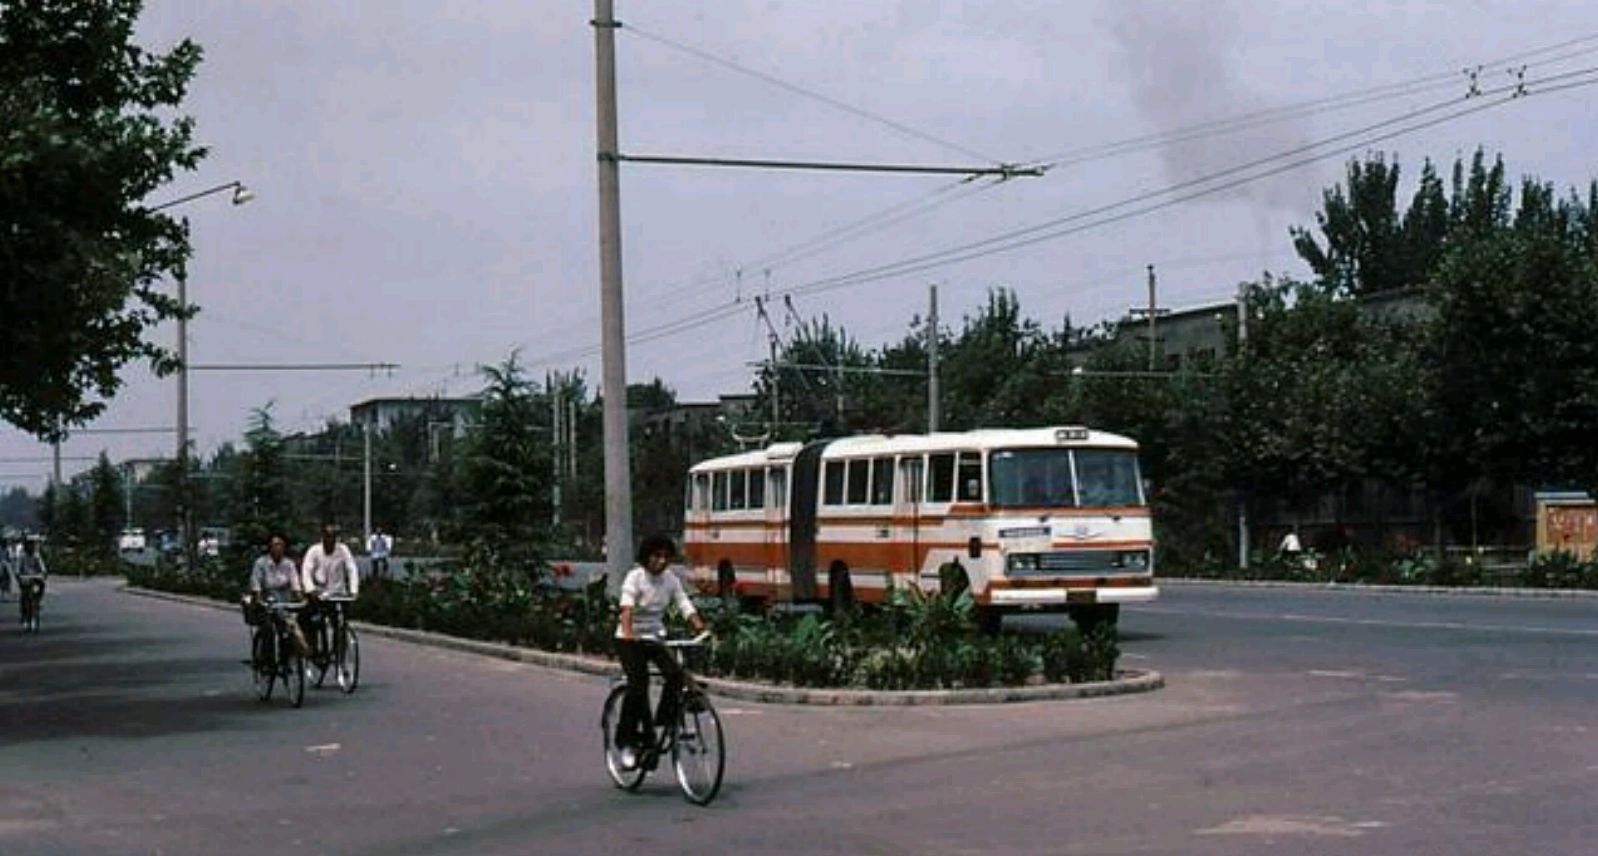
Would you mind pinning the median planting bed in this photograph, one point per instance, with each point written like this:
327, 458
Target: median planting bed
916, 642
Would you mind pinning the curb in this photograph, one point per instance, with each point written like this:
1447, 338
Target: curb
1473, 591
1127, 680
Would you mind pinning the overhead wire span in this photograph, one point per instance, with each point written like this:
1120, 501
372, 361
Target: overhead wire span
1017, 238
796, 89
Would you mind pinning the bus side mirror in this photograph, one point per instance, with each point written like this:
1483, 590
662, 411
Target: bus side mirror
973, 548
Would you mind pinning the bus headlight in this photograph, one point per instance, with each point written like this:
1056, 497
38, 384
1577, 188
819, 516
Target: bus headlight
1023, 562
1135, 560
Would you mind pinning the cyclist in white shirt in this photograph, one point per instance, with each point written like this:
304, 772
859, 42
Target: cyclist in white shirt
30, 573
646, 593
327, 569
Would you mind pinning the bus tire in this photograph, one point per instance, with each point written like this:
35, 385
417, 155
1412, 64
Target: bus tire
840, 587
990, 619
726, 580
1091, 618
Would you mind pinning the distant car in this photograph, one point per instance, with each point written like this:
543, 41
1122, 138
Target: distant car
210, 545
131, 541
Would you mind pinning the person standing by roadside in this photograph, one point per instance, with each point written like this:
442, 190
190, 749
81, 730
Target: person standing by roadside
378, 547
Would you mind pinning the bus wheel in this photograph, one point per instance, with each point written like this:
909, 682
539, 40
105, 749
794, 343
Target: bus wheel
726, 580
989, 619
1091, 618
840, 588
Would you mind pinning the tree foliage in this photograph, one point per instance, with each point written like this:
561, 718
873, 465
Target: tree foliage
87, 131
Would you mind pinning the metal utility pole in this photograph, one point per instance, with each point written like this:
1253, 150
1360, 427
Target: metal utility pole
932, 363
557, 409
613, 356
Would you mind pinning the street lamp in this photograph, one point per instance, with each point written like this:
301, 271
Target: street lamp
240, 195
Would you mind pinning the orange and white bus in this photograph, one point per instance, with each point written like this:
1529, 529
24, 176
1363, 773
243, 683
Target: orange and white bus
1026, 519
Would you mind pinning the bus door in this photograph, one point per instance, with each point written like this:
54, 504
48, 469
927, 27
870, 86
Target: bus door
776, 534
907, 522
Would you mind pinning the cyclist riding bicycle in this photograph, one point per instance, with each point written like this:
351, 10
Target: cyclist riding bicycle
30, 572
274, 577
646, 593
327, 569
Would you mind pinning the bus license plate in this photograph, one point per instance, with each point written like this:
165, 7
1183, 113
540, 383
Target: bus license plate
1083, 596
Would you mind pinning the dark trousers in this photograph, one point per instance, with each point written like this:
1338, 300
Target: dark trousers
633, 729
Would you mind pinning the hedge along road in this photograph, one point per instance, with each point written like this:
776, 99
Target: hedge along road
127, 726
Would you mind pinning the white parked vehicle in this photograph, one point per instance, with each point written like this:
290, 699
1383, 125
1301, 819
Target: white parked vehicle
131, 541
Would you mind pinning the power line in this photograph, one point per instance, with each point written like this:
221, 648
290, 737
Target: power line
1353, 98
1016, 238
1019, 238
799, 90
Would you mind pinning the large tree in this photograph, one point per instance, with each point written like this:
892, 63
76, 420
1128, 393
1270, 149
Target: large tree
88, 130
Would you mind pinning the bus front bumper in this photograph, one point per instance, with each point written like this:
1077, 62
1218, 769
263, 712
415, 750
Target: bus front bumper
1041, 598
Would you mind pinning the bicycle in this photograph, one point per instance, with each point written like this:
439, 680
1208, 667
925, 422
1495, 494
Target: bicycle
273, 658
31, 598
694, 740
337, 647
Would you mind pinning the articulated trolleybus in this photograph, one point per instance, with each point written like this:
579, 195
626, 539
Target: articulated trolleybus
1048, 519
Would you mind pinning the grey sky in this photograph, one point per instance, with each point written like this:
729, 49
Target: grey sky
426, 183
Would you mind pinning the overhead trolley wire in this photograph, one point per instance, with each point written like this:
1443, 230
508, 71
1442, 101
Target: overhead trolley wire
807, 93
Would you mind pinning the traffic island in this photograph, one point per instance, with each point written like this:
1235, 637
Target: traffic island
1127, 681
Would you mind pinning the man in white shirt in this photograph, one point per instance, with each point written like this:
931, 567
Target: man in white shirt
377, 547
327, 569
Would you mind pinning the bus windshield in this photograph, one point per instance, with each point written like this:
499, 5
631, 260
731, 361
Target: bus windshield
1043, 478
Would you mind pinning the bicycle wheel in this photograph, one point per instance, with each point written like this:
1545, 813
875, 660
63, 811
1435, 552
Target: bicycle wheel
347, 659
263, 663
294, 680
699, 754
627, 780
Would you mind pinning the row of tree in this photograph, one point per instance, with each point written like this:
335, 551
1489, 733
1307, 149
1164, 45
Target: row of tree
1490, 381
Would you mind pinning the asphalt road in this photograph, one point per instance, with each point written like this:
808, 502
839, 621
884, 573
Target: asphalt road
1293, 722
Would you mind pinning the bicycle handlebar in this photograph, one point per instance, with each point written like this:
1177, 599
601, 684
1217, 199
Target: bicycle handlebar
689, 643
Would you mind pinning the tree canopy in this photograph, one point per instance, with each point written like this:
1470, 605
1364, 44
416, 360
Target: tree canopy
87, 131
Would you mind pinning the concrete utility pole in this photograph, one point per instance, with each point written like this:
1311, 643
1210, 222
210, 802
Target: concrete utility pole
932, 362
1242, 499
181, 458
1153, 313
366, 484
557, 409
613, 355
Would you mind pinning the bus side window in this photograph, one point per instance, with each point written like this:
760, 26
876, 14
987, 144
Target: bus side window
910, 478
970, 482
779, 487
736, 479
718, 491
757, 488
834, 491
859, 481
701, 492
881, 481
940, 478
